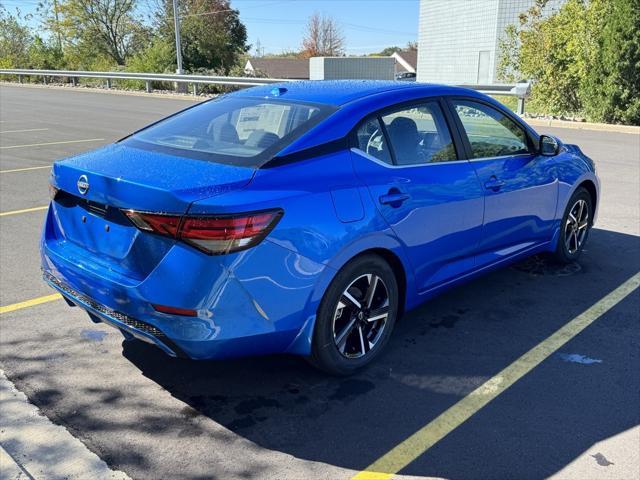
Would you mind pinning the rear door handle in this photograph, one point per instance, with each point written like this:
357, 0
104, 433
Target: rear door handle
394, 198
494, 184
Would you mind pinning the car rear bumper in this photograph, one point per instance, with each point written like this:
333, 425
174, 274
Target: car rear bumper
128, 325
248, 303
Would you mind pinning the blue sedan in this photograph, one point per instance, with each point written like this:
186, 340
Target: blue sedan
307, 217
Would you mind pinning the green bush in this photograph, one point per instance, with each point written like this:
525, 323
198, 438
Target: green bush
611, 86
583, 60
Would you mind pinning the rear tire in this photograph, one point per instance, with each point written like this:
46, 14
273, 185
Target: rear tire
356, 316
575, 226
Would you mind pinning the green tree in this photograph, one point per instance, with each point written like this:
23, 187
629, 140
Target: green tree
212, 36
547, 50
96, 28
15, 40
583, 59
45, 55
158, 57
611, 86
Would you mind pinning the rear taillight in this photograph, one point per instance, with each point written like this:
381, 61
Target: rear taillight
156, 223
214, 235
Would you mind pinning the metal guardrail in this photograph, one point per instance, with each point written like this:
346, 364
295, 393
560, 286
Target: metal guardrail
146, 77
519, 90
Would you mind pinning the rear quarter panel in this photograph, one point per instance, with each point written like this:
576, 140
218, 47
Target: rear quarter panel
328, 219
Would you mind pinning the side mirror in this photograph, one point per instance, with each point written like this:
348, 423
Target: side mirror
549, 146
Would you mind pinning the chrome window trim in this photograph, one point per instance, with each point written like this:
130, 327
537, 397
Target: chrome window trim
395, 167
485, 159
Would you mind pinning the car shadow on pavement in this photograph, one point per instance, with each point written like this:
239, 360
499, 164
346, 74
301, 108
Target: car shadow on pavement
438, 354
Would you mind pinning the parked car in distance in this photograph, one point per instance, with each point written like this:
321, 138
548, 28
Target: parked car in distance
406, 76
307, 217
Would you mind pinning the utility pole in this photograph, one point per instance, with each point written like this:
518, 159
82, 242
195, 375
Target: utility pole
55, 12
176, 23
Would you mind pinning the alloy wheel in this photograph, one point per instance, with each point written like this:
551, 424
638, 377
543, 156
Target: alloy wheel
576, 226
361, 316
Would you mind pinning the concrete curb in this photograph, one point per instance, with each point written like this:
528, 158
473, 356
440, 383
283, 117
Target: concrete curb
31, 446
603, 127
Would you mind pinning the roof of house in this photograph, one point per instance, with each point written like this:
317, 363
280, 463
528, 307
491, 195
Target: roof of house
280, 67
406, 58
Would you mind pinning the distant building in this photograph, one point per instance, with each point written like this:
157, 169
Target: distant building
406, 61
294, 68
458, 40
335, 68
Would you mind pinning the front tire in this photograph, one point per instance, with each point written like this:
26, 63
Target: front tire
574, 229
356, 316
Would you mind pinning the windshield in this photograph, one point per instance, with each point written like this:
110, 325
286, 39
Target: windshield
235, 131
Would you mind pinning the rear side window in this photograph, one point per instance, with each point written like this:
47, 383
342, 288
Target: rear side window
371, 140
419, 134
236, 131
490, 132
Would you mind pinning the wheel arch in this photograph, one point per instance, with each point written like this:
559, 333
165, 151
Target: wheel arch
590, 187
398, 270
385, 247
590, 182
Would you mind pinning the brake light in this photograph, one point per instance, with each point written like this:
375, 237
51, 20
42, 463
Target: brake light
157, 223
214, 235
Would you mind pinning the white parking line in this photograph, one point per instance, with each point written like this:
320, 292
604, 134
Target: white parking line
25, 130
13, 170
52, 143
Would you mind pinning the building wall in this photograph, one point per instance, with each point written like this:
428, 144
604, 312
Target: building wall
451, 35
334, 68
458, 40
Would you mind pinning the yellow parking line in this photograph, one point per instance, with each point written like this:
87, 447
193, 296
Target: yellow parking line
410, 449
25, 130
52, 143
30, 303
13, 170
25, 210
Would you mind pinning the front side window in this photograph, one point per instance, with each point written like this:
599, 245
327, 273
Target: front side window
490, 132
236, 131
419, 134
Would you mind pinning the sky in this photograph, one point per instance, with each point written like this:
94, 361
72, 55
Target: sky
368, 25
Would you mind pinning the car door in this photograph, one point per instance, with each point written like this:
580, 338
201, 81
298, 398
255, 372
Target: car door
427, 194
520, 186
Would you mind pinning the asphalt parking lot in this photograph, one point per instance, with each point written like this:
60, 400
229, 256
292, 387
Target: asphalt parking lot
574, 415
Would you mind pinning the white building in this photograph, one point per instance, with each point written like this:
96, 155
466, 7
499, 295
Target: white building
458, 40
333, 68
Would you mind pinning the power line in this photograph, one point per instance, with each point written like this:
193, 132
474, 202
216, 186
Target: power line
348, 26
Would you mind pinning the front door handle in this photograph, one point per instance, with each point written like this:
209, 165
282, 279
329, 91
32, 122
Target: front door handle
394, 197
494, 184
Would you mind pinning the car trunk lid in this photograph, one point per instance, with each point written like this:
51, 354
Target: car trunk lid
88, 226
132, 178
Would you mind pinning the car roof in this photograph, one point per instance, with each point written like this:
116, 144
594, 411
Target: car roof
335, 92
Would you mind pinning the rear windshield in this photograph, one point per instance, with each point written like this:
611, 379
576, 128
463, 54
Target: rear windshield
236, 131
